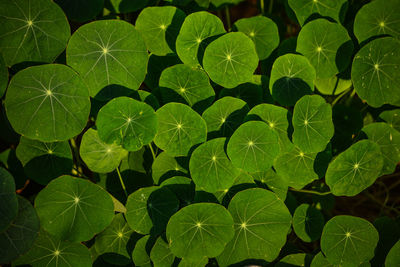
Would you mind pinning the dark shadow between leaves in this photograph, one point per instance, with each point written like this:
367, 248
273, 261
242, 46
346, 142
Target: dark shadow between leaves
234, 190
251, 262
184, 192
203, 45
232, 122
288, 90
45, 168
315, 16
344, 55
169, 174
251, 93
322, 161
174, 28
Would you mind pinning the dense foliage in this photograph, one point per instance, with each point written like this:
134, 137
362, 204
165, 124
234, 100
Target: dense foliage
158, 133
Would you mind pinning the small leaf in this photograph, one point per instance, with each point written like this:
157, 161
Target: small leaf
308, 223
392, 117
160, 254
393, 258
140, 254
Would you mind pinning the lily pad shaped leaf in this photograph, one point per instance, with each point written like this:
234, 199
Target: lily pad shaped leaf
108, 52
263, 31
179, 128
377, 18
292, 76
165, 166
140, 254
32, 30
261, 221
327, 8
199, 230
374, 72
392, 117
8, 198
327, 46
312, 123
181, 83
231, 59
388, 140
160, 254
49, 251
210, 168
19, 237
74, 209
308, 222
333, 85
348, 240
99, 156
253, 146
51, 93
160, 27
127, 122
393, 258
81, 11
355, 169
195, 29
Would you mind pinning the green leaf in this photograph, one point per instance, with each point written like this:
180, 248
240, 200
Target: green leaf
8, 198
74, 209
263, 31
253, 146
181, 83
140, 254
149, 208
179, 129
389, 234
327, 46
3, 76
32, 30
19, 237
122, 6
166, 166
374, 72
320, 261
44, 161
333, 85
53, 94
392, 117
308, 223
348, 240
219, 3
355, 169
156, 65
183, 188
81, 11
377, 18
305, 9
261, 224
393, 258
127, 122
108, 52
160, 27
231, 59
160, 254
49, 251
193, 263
298, 259
292, 77
196, 28
312, 123
388, 140
273, 181
99, 156
210, 167
199, 230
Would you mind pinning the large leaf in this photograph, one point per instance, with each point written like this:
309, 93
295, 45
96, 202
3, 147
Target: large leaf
53, 94
8, 198
308, 223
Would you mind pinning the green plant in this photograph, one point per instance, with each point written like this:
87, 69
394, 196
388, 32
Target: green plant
158, 133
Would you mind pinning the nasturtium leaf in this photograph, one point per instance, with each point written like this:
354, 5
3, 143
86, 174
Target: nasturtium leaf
375, 72
32, 30
19, 237
108, 52
333, 85
140, 254
182, 83
355, 169
261, 221
296, 167
277, 119
392, 117
253, 146
231, 59
179, 128
388, 140
127, 122
149, 208
210, 167
122, 6
273, 181
292, 76
308, 223
160, 254
218, 3
81, 10
304, 9
298, 259
312, 123
3, 76
224, 116
48, 103
327, 46
160, 27
49, 251
243, 181
389, 234
183, 188
74, 209
44, 161
377, 18
319, 260
199, 230
263, 31
348, 240
193, 263
99, 156
8, 199
114, 239
156, 65
393, 257
165, 166
195, 29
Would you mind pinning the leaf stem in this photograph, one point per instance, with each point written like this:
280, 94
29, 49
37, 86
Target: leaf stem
271, 6
311, 191
228, 18
152, 151
262, 7
339, 97
121, 181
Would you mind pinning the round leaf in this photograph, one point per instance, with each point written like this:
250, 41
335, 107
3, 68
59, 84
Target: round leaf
8, 198
164, 166
308, 223
48, 103
333, 85
160, 254
392, 117
393, 258
81, 10
74, 209
319, 260
140, 254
